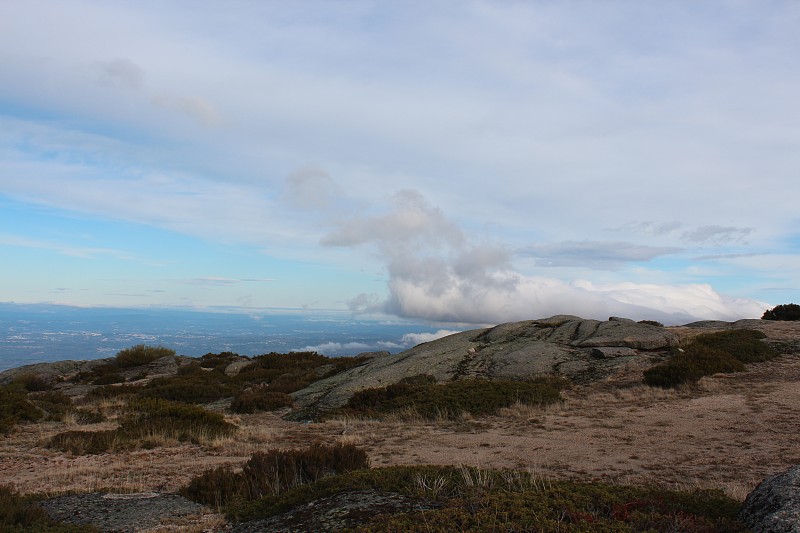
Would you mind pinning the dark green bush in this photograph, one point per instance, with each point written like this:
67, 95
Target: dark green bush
19, 514
218, 361
32, 382
449, 400
141, 354
782, 312
261, 398
15, 407
273, 472
711, 353
191, 385
690, 366
742, 344
652, 323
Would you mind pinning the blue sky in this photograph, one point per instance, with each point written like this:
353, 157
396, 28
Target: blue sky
467, 162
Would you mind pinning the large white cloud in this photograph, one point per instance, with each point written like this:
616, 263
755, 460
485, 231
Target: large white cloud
437, 273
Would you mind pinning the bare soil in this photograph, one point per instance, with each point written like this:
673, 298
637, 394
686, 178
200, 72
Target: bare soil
728, 432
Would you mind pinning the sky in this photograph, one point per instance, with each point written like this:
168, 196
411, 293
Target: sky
468, 162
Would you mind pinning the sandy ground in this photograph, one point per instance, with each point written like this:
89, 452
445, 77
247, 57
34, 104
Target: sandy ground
729, 432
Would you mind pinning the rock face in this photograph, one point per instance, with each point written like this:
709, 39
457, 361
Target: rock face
774, 505
564, 345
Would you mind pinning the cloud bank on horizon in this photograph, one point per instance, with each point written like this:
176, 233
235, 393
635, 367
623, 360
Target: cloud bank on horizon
468, 162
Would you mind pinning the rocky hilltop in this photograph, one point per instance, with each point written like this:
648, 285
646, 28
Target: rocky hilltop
564, 345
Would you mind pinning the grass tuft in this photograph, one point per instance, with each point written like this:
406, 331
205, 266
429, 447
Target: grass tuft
274, 472
141, 354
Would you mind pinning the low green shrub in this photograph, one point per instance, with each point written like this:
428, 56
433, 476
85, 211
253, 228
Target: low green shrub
711, 353
782, 312
471, 499
690, 366
32, 382
141, 354
15, 407
191, 385
218, 361
55, 404
19, 514
450, 400
261, 398
742, 344
147, 422
652, 323
273, 472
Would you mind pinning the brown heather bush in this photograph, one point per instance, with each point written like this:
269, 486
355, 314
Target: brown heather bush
274, 472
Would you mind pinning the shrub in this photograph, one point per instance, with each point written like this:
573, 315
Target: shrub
484, 500
141, 355
218, 361
652, 323
191, 385
55, 404
690, 366
31, 382
261, 398
742, 344
15, 407
782, 312
273, 472
148, 420
708, 354
476, 397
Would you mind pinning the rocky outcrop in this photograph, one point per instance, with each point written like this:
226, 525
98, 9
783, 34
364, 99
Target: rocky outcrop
774, 506
119, 512
564, 345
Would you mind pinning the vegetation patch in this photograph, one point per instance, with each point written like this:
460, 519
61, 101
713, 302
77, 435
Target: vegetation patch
260, 398
20, 514
147, 423
470, 499
451, 399
712, 353
274, 472
15, 407
141, 354
782, 312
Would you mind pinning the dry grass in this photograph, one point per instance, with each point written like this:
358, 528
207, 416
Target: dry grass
726, 432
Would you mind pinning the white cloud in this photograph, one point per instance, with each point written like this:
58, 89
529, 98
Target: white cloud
336, 348
412, 339
443, 277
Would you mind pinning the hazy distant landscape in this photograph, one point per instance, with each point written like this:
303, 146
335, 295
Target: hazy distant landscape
43, 333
